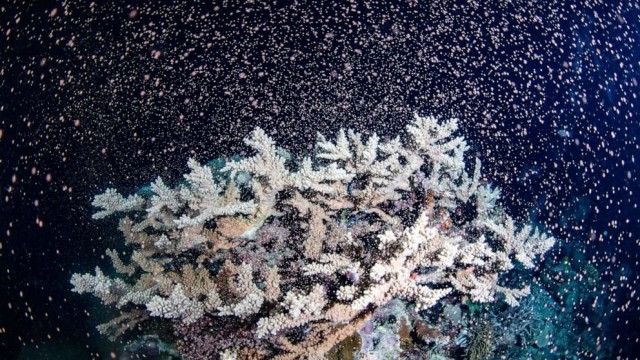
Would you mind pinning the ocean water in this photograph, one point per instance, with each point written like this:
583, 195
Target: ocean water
96, 96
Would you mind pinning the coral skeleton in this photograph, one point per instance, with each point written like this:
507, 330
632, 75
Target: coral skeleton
295, 256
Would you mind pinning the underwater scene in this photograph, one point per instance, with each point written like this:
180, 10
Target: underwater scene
319, 179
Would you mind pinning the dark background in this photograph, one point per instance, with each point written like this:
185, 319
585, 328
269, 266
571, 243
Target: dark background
95, 96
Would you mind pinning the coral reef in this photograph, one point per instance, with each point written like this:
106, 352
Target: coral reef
270, 257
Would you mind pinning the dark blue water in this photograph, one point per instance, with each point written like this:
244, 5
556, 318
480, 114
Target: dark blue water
97, 96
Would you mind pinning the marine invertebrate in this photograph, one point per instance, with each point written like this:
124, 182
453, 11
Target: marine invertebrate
334, 244
480, 345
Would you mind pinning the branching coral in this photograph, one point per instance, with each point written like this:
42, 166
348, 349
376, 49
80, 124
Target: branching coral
297, 255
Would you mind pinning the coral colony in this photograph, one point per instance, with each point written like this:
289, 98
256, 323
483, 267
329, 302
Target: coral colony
270, 257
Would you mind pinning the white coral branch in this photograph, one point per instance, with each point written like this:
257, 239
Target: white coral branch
512, 295
267, 164
486, 200
107, 289
206, 197
164, 197
330, 151
524, 244
437, 141
177, 306
111, 201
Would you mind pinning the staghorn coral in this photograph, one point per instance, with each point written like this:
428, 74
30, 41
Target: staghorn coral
298, 255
